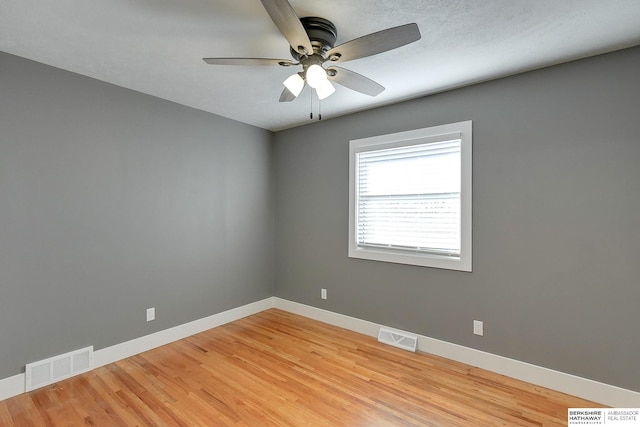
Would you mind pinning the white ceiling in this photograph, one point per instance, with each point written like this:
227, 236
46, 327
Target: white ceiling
157, 46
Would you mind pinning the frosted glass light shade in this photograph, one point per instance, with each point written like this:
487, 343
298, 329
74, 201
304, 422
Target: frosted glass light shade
325, 89
294, 83
316, 76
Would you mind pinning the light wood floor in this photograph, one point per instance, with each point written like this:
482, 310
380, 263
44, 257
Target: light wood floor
276, 368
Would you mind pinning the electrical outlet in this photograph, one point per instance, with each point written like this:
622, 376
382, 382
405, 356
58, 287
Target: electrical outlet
151, 314
323, 293
478, 327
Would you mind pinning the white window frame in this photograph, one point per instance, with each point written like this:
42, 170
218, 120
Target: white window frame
408, 138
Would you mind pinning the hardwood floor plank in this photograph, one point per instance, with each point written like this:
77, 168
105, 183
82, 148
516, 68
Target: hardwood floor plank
279, 369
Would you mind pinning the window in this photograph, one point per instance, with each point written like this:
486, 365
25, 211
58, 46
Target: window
410, 197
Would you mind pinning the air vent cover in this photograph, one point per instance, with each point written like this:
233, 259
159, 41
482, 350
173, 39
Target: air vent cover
57, 368
398, 339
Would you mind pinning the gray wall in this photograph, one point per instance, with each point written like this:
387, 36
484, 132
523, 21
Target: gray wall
556, 203
111, 202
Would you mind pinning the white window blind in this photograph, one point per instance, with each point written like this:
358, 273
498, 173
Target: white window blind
409, 198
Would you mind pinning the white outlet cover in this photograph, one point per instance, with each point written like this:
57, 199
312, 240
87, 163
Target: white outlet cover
323, 293
151, 314
478, 327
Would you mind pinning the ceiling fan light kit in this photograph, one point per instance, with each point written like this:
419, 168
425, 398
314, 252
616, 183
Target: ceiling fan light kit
317, 78
312, 43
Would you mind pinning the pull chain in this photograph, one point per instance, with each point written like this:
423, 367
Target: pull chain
311, 107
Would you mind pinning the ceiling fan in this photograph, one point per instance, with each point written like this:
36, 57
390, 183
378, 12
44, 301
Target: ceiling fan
312, 44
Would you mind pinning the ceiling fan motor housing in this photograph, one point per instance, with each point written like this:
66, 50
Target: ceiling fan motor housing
322, 34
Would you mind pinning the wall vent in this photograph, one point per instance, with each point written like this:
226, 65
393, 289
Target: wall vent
398, 339
57, 368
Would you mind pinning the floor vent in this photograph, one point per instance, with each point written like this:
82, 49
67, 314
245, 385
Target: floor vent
57, 368
398, 339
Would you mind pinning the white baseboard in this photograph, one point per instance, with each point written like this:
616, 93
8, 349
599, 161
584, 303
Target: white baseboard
555, 380
130, 348
15, 385
12, 386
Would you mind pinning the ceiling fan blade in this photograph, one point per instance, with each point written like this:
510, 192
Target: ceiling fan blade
285, 18
248, 61
354, 81
375, 43
287, 96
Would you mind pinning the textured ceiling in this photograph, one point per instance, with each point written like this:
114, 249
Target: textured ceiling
157, 46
